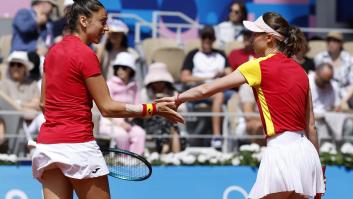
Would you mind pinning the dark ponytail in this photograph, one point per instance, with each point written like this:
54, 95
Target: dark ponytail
294, 38
81, 7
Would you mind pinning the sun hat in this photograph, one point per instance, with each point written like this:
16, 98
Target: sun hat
125, 59
260, 26
116, 25
20, 57
53, 2
158, 72
334, 35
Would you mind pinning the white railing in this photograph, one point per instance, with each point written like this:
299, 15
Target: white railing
228, 134
190, 23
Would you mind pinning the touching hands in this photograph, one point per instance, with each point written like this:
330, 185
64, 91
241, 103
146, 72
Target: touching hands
170, 100
166, 108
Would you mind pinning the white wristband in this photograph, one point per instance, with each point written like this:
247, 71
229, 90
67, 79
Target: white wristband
133, 108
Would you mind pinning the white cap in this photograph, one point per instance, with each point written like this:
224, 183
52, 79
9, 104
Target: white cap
20, 57
68, 3
116, 25
260, 26
125, 59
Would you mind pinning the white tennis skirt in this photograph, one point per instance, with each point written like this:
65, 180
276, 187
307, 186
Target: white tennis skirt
290, 163
75, 160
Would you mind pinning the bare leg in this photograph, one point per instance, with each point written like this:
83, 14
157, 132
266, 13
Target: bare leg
296, 196
175, 141
217, 101
165, 149
2, 131
92, 188
56, 185
284, 195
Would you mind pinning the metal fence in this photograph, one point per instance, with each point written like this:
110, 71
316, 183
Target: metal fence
17, 135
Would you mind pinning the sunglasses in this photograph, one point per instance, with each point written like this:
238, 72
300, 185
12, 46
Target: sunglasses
16, 64
235, 11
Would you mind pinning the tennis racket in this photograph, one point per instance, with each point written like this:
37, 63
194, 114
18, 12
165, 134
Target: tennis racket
126, 165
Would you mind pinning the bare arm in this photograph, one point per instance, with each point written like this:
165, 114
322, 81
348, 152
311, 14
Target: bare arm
343, 106
110, 108
33, 105
42, 94
106, 105
206, 90
310, 130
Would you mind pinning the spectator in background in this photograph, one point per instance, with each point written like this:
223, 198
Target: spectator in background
340, 59
205, 65
32, 27
233, 28
123, 87
159, 83
346, 104
324, 92
239, 56
249, 124
306, 62
17, 86
112, 44
60, 26
325, 96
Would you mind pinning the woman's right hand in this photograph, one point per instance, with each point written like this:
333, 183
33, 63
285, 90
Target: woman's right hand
174, 103
164, 109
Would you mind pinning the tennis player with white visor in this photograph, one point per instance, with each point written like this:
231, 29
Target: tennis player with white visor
290, 167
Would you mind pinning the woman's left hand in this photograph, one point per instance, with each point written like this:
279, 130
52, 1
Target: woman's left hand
165, 109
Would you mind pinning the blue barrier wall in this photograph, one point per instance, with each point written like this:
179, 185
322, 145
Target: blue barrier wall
172, 183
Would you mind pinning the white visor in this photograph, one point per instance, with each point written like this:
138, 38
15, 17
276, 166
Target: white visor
260, 26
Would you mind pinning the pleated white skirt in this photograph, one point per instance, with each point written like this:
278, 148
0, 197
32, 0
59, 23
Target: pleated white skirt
289, 163
75, 160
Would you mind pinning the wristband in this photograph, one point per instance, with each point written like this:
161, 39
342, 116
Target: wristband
144, 110
154, 108
177, 100
149, 111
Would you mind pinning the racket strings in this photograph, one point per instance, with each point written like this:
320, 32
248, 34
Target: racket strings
126, 166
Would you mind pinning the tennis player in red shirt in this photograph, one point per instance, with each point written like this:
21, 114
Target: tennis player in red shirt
290, 167
66, 156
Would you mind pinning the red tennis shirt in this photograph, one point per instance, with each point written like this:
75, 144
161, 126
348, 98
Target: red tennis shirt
68, 117
280, 86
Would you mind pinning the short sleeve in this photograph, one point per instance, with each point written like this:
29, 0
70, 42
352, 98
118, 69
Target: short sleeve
226, 63
189, 60
90, 65
251, 72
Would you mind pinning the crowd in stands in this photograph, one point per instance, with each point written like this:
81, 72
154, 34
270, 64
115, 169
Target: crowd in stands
34, 31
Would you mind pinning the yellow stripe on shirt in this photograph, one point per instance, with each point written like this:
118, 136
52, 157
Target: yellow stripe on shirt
270, 129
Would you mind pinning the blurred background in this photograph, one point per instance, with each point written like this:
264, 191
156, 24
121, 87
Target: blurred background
166, 47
